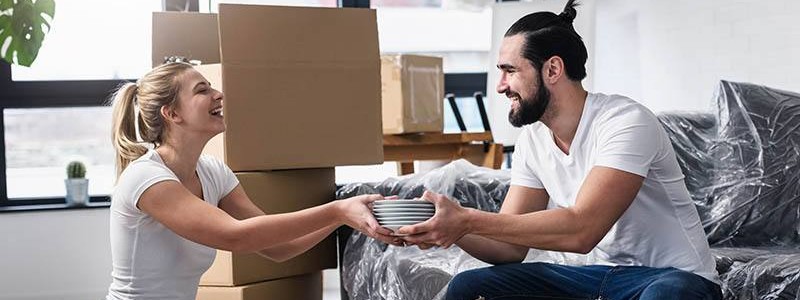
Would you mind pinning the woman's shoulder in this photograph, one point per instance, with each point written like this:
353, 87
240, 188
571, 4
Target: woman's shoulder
148, 165
212, 163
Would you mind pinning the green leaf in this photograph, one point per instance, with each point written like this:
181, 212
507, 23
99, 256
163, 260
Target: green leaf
24, 26
47, 7
6, 4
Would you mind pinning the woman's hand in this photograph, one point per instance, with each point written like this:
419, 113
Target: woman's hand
356, 212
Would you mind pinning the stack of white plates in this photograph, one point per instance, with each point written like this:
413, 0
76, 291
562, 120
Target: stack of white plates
394, 214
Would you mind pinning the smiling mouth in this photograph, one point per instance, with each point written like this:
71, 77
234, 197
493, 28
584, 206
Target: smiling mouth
217, 112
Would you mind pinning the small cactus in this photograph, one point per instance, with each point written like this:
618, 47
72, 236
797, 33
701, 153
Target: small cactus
76, 170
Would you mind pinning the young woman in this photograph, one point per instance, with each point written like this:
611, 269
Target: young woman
172, 207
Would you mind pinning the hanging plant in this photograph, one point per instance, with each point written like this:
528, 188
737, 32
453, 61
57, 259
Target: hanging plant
23, 25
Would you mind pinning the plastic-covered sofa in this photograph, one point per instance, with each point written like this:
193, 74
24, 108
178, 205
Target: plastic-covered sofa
742, 167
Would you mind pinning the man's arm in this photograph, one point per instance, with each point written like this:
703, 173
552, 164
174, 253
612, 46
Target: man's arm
604, 196
519, 200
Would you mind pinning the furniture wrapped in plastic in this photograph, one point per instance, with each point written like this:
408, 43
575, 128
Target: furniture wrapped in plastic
741, 162
742, 167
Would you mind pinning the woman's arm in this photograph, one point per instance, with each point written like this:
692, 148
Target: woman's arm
173, 205
239, 206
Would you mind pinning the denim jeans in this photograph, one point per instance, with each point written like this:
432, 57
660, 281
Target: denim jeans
551, 281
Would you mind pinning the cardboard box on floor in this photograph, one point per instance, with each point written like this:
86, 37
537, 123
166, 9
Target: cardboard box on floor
301, 84
278, 192
412, 89
305, 287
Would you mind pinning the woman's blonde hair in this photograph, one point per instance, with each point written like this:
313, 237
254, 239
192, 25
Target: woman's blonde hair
141, 103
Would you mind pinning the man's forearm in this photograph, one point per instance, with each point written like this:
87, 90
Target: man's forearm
492, 251
554, 229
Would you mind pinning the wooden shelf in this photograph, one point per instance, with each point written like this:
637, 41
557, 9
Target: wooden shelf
478, 148
436, 138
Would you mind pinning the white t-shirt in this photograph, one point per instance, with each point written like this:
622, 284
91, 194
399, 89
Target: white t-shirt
149, 260
661, 228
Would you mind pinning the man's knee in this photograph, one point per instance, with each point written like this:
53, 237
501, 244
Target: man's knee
680, 285
465, 285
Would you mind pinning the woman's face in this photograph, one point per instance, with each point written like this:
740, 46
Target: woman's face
199, 106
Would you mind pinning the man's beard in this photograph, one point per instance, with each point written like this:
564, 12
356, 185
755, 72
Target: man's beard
529, 111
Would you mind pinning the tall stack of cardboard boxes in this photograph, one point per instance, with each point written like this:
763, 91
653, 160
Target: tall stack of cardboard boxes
302, 95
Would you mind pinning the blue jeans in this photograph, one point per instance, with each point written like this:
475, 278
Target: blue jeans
551, 281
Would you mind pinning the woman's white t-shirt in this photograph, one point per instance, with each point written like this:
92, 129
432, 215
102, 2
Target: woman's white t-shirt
149, 260
661, 228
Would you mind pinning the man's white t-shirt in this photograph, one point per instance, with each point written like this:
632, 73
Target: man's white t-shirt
149, 260
661, 228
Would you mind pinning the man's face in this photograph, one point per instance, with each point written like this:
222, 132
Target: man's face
521, 83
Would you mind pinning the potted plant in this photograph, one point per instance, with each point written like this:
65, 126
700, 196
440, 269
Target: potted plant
77, 184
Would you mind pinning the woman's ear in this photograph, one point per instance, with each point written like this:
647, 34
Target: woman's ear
169, 114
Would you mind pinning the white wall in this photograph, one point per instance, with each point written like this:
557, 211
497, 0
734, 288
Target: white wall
670, 55
55, 255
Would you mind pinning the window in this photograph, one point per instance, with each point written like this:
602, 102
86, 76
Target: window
39, 142
54, 111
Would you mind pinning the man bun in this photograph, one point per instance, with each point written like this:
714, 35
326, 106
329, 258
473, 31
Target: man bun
569, 13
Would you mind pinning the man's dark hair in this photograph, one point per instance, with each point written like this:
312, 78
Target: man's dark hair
547, 35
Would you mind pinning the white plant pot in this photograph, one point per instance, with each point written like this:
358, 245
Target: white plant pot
77, 191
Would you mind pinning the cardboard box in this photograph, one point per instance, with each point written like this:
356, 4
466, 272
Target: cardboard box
278, 192
305, 287
412, 91
301, 84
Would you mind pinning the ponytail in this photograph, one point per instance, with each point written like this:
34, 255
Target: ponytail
124, 127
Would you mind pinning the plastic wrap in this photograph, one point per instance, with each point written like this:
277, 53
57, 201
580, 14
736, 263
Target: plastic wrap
759, 125
374, 270
759, 273
743, 171
741, 167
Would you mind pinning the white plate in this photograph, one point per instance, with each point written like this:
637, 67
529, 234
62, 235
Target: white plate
403, 214
389, 219
399, 223
403, 209
404, 206
398, 201
417, 206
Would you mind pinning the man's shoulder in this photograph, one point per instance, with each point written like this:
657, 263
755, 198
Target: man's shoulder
613, 101
611, 108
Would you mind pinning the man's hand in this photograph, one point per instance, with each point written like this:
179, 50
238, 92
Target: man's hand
356, 213
448, 224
